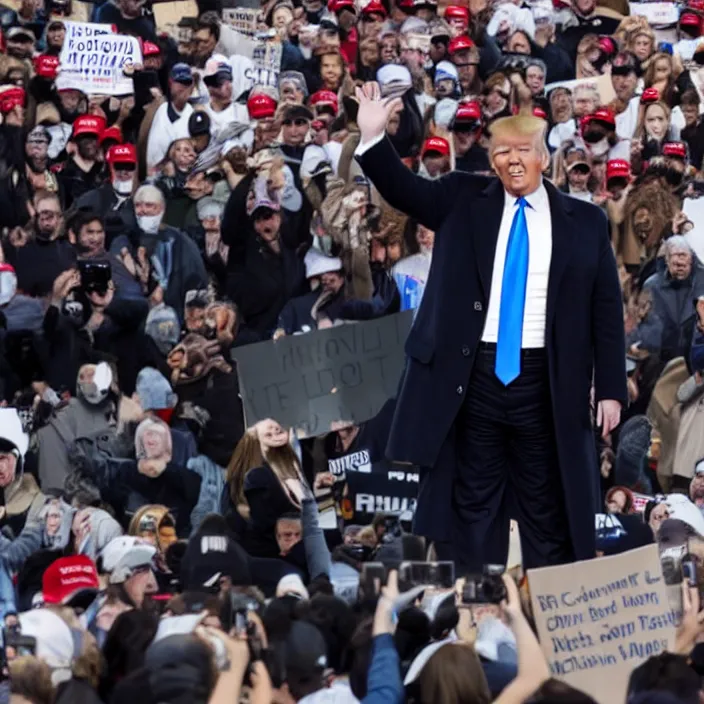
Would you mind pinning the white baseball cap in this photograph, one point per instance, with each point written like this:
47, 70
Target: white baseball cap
123, 555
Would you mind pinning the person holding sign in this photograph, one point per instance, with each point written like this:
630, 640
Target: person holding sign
521, 310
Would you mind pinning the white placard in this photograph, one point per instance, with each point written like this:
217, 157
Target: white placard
657, 13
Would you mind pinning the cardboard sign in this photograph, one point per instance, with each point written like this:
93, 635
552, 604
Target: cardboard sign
243, 19
602, 84
93, 59
599, 619
307, 382
168, 14
267, 64
657, 13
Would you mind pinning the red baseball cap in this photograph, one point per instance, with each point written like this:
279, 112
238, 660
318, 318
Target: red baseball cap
323, 97
374, 7
617, 168
539, 112
10, 97
337, 5
605, 115
650, 95
457, 12
112, 132
461, 43
46, 66
70, 578
676, 149
436, 144
261, 105
122, 154
690, 19
468, 112
88, 124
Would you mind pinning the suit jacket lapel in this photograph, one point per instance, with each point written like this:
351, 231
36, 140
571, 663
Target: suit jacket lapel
563, 233
488, 219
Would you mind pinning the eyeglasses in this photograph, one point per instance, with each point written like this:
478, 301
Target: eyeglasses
298, 122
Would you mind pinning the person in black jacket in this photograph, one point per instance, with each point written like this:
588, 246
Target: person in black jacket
83, 171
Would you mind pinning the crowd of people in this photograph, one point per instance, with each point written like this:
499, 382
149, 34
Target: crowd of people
153, 548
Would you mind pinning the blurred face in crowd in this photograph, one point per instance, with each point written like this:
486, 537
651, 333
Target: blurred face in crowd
346, 19
642, 223
661, 71
578, 177
617, 502
271, 434
70, 100
291, 93
371, 25
642, 47
48, 218
497, 98
464, 136
331, 71
466, 63
295, 131
438, 51
393, 124
561, 105
411, 57
8, 465
198, 186
519, 161
425, 237
518, 44
389, 49
20, 47
91, 239
288, 532
696, 490
55, 36
436, 164
616, 186
369, 53
87, 147
281, 19
691, 114
444, 88
332, 281
183, 154
267, 223
221, 92
585, 7
147, 207
266, 131
659, 514
37, 152
656, 121
141, 585
624, 85
679, 262
204, 43
585, 102
131, 8
180, 92
535, 78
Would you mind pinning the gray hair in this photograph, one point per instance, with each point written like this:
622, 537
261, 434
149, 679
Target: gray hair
148, 193
677, 242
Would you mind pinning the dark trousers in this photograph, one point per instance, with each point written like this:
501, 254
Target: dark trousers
507, 467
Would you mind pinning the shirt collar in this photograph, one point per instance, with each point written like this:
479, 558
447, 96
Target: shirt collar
538, 199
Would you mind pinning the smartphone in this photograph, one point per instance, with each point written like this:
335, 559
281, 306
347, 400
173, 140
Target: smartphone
436, 574
486, 588
95, 275
372, 578
16, 645
240, 623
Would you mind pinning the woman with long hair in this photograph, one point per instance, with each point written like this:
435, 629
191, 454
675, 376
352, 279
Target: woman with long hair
265, 481
652, 131
661, 74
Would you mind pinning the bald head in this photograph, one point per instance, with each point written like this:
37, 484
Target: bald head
518, 152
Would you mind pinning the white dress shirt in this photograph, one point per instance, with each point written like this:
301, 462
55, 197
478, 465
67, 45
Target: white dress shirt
539, 225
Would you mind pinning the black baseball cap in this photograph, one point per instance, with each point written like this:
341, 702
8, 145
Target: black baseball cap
306, 650
199, 123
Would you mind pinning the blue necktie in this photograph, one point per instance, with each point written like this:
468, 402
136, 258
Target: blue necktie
513, 298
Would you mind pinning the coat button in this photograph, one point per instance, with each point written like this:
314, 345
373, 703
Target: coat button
460, 390
466, 351
477, 305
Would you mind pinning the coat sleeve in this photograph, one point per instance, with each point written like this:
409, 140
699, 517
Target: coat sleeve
384, 685
607, 325
427, 201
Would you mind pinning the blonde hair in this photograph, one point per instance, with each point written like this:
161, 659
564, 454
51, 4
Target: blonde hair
520, 126
30, 678
454, 674
644, 108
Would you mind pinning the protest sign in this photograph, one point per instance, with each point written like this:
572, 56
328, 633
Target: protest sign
598, 619
309, 381
602, 84
267, 64
658, 14
93, 59
243, 19
168, 13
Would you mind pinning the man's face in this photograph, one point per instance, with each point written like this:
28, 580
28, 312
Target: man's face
578, 179
180, 92
535, 78
642, 223
691, 114
369, 53
616, 187
131, 8
438, 51
141, 584
48, 218
148, 208
87, 147
55, 37
221, 91
204, 44
411, 57
584, 103
519, 44
624, 86
585, 7
69, 100
8, 465
288, 533
198, 185
332, 282
37, 151
295, 131
92, 239
519, 163
464, 139
696, 490
330, 71
444, 88
291, 94
389, 49
20, 48
266, 224
679, 263
436, 164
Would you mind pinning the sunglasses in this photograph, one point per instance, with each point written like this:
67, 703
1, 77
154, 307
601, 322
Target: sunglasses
298, 122
622, 70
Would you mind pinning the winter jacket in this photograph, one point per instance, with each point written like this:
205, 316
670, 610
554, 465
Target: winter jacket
384, 685
212, 483
23, 501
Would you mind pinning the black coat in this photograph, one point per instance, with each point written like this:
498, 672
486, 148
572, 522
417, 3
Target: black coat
584, 332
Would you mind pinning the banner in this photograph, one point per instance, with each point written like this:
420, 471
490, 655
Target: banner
657, 13
599, 619
243, 19
307, 382
93, 59
267, 64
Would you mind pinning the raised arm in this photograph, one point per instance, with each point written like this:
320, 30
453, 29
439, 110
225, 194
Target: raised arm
427, 201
